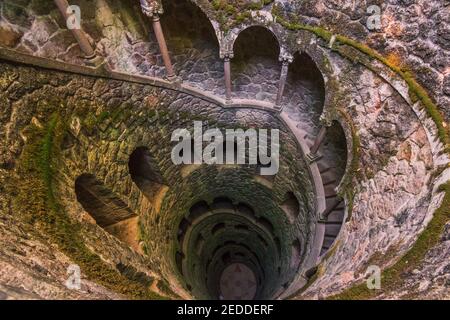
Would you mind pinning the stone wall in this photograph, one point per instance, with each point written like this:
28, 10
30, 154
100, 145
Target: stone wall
106, 121
395, 156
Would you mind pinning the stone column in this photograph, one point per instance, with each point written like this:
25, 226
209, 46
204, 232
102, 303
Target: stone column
163, 47
319, 140
152, 9
79, 34
227, 72
285, 59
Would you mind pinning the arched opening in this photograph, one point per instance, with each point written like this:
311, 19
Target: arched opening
182, 229
304, 94
179, 257
266, 224
108, 210
263, 241
144, 172
336, 145
223, 203
278, 245
197, 210
226, 258
193, 45
255, 68
225, 233
291, 206
217, 228
199, 244
332, 165
296, 254
242, 227
245, 210
100, 202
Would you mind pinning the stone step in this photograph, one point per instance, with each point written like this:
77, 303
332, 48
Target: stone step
327, 242
337, 215
329, 182
334, 222
309, 141
322, 168
329, 190
331, 200
329, 175
331, 195
332, 229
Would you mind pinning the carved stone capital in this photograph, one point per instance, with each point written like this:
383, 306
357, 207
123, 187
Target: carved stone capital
285, 57
152, 8
226, 54
325, 120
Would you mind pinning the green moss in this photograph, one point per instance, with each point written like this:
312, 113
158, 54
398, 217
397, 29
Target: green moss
229, 14
39, 207
243, 16
255, 6
90, 121
40, 7
102, 117
130, 19
311, 280
392, 277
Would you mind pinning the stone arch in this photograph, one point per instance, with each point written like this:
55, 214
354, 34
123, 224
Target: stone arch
266, 224
304, 95
340, 123
237, 33
187, 28
256, 32
179, 257
207, 14
199, 243
187, 11
296, 254
336, 138
198, 210
219, 226
100, 202
321, 57
291, 206
245, 210
183, 227
222, 203
255, 67
145, 173
108, 210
